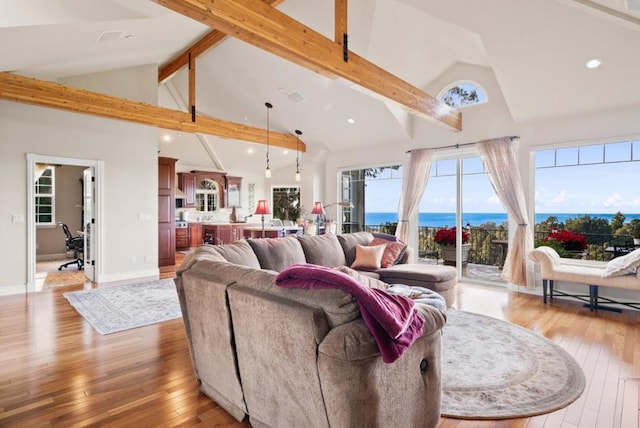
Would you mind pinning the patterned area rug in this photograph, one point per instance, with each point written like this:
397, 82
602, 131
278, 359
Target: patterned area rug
492, 369
123, 307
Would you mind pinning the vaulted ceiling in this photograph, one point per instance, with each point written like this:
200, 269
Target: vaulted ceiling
536, 49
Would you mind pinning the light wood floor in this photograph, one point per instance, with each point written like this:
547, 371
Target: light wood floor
55, 370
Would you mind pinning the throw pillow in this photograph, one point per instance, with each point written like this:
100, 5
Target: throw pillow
368, 257
363, 279
393, 251
623, 265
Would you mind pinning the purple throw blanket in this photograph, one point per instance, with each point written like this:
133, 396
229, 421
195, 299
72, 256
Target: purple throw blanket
392, 319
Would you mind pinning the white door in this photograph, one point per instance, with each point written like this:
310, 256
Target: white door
88, 222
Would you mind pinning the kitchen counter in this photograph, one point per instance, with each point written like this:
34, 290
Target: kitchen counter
270, 231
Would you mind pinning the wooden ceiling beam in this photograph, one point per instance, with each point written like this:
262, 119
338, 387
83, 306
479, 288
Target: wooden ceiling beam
341, 21
210, 40
261, 25
54, 95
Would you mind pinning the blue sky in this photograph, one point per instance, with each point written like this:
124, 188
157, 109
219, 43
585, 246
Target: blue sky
596, 188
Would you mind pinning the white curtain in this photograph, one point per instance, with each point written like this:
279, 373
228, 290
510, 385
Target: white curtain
415, 176
500, 160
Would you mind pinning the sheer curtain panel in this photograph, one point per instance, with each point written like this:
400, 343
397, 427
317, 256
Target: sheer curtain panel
415, 179
504, 174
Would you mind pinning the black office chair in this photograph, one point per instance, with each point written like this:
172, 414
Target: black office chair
75, 244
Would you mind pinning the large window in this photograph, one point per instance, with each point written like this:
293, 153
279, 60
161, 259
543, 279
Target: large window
589, 190
45, 197
375, 195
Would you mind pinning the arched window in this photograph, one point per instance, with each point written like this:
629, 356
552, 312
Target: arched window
207, 195
464, 93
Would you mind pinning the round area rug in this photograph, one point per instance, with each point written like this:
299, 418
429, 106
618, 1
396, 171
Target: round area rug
492, 369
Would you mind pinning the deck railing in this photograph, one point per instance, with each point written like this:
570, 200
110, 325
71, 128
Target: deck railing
486, 250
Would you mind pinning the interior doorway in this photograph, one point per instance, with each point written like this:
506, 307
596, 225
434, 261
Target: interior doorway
63, 191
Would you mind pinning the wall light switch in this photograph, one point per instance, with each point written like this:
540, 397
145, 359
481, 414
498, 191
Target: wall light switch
17, 218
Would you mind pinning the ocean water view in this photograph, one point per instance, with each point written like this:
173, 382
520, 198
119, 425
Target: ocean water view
476, 219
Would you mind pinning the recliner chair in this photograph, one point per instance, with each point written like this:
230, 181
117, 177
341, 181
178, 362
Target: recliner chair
75, 244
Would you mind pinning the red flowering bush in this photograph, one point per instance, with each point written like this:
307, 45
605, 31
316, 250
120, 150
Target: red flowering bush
447, 236
569, 240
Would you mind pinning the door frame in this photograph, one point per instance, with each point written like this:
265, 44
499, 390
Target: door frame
98, 166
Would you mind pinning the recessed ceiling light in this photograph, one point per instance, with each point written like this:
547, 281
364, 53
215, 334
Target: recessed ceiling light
351, 120
250, 151
285, 152
166, 137
594, 63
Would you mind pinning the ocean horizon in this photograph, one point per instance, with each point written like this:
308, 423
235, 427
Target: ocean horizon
476, 219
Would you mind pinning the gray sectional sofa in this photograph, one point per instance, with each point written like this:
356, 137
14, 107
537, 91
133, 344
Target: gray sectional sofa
299, 357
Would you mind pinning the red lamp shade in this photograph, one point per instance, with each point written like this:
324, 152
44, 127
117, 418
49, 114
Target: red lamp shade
317, 208
263, 207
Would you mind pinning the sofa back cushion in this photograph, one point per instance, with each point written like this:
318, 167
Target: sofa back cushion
277, 253
338, 306
239, 253
349, 241
323, 250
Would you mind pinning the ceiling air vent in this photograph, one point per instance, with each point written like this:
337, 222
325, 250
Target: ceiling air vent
111, 36
633, 4
296, 97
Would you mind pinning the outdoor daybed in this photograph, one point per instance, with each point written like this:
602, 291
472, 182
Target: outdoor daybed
621, 272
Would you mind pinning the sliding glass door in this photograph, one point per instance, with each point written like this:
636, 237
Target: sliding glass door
461, 221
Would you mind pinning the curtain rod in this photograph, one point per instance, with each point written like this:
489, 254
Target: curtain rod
457, 146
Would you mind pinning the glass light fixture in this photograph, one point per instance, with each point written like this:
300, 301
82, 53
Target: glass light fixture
298, 133
267, 171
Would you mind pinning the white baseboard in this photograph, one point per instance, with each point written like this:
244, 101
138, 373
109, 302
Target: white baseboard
127, 277
49, 257
9, 290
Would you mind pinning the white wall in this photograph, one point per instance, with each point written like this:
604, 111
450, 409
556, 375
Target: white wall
129, 152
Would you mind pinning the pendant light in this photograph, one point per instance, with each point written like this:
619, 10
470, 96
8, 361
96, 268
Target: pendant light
267, 171
298, 133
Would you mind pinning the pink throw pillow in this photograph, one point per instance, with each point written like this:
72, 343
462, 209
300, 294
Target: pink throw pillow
392, 253
368, 257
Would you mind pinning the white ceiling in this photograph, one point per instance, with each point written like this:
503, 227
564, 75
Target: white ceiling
536, 49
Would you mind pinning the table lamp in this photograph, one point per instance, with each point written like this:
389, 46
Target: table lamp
261, 209
318, 210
